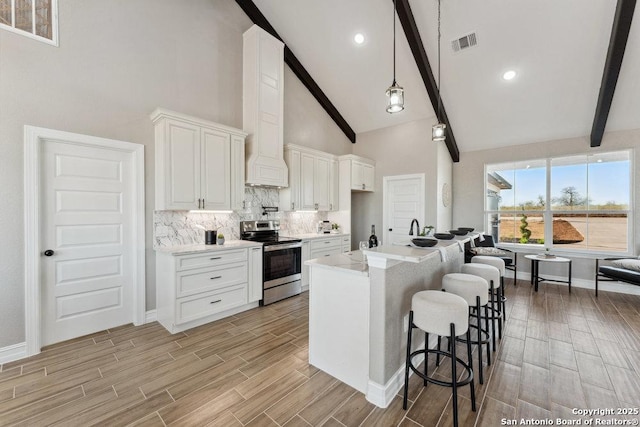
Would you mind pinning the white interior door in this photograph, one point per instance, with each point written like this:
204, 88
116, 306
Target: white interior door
87, 221
403, 201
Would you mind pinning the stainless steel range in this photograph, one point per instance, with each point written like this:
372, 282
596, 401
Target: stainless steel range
281, 260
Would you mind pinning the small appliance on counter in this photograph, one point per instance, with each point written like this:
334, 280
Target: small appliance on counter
324, 227
210, 237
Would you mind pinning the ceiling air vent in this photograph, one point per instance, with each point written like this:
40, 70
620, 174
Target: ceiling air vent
464, 42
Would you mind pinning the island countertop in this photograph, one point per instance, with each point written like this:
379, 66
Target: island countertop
412, 253
348, 262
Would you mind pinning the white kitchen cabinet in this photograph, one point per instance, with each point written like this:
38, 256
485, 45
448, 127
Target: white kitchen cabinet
346, 243
312, 178
263, 107
362, 176
199, 164
255, 274
326, 246
306, 255
334, 189
194, 289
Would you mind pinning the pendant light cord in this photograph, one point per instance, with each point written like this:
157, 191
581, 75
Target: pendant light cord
394, 42
439, 102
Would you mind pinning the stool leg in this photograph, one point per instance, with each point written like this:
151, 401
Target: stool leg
504, 302
407, 362
479, 339
454, 376
486, 324
499, 298
473, 388
426, 356
493, 317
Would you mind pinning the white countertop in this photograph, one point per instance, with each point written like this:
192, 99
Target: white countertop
412, 253
202, 248
350, 262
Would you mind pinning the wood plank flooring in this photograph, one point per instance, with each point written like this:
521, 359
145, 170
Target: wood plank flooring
558, 352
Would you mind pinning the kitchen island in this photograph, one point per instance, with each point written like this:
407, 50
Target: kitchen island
358, 311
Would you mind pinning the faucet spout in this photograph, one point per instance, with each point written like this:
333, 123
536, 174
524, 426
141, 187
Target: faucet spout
414, 221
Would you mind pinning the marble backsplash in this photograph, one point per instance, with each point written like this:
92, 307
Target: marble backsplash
171, 228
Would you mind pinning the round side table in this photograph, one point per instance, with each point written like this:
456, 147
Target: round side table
535, 269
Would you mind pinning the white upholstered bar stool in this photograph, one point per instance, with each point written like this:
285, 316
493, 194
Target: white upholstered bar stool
443, 314
500, 265
475, 291
492, 275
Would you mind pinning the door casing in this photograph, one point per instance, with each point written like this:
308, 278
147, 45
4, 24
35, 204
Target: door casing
33, 137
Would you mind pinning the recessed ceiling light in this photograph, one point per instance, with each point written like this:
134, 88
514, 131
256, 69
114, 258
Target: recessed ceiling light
359, 38
509, 75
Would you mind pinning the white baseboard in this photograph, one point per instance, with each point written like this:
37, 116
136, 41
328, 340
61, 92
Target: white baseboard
150, 316
13, 352
382, 395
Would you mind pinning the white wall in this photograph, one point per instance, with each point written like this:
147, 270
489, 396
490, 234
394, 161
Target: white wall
400, 150
117, 61
468, 178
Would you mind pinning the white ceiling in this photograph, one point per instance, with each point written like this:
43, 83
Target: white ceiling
557, 48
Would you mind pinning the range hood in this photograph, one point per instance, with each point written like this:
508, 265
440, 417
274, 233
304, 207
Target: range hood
262, 107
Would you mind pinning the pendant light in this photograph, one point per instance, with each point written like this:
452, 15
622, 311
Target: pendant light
395, 93
438, 130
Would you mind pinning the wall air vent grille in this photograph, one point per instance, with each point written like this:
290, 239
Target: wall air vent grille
464, 42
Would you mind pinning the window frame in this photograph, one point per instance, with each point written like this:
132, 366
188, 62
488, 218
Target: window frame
549, 212
32, 35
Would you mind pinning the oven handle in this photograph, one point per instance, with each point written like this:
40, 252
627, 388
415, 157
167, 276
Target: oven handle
272, 248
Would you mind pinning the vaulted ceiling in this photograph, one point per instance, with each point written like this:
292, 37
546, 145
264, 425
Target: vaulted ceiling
558, 50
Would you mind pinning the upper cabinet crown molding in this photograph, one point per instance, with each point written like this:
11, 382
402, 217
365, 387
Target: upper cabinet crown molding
199, 163
263, 108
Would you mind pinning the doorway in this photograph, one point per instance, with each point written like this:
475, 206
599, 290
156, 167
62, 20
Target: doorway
84, 235
403, 200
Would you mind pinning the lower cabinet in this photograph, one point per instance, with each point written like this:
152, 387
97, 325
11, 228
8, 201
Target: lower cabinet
321, 247
195, 289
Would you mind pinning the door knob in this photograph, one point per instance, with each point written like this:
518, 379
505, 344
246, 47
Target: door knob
391, 229
48, 252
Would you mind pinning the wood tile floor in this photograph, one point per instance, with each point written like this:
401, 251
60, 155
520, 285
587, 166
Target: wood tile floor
559, 352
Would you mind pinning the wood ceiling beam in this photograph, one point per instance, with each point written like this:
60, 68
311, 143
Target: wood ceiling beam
617, 45
298, 69
410, 28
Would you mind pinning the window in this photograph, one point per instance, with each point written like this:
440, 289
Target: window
580, 202
33, 18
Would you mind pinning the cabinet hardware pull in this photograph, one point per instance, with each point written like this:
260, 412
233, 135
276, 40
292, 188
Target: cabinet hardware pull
330, 206
293, 206
218, 257
244, 204
202, 203
198, 203
216, 301
326, 243
363, 186
216, 277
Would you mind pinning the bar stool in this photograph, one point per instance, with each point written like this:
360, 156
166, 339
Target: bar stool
492, 275
475, 291
499, 264
443, 314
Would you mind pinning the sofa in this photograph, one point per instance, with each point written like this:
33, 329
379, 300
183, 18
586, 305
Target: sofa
625, 270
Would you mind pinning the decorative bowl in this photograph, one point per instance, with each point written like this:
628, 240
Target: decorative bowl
458, 232
467, 229
443, 236
425, 243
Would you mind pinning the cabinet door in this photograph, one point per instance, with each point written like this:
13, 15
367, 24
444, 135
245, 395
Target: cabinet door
255, 274
237, 173
357, 176
334, 189
368, 175
182, 166
321, 184
306, 255
216, 173
307, 197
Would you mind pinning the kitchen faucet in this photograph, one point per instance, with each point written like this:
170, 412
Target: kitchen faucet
417, 225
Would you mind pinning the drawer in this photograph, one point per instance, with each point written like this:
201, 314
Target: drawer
326, 252
202, 280
196, 307
322, 244
210, 259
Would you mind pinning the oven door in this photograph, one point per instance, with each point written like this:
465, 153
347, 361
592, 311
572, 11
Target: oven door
282, 264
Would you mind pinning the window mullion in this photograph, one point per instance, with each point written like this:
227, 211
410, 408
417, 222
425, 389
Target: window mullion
33, 17
13, 13
548, 217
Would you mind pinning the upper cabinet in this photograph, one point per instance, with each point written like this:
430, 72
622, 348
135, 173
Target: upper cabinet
263, 101
199, 164
312, 180
362, 172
